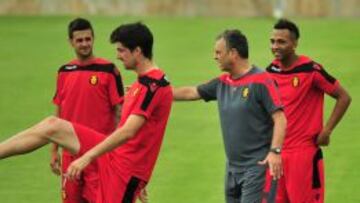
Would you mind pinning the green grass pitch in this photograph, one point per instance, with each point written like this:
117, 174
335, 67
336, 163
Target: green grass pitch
190, 167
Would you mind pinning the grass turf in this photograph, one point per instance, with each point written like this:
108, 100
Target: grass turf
191, 164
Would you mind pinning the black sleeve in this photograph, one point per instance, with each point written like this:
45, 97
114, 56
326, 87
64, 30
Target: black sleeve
207, 91
269, 96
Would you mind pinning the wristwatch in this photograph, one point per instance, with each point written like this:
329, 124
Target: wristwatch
276, 150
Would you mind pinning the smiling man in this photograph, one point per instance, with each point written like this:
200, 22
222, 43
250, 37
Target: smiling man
302, 84
89, 92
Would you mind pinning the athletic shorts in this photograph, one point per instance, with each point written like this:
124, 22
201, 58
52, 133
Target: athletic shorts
82, 190
303, 179
114, 185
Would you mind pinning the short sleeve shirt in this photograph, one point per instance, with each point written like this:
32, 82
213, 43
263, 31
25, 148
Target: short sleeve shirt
151, 97
302, 88
245, 107
86, 93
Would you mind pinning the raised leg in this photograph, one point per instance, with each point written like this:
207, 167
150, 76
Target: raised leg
51, 129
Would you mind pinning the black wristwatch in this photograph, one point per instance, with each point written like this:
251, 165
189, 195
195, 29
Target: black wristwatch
276, 150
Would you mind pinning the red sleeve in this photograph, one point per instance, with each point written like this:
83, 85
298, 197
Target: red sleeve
149, 99
324, 81
116, 88
59, 86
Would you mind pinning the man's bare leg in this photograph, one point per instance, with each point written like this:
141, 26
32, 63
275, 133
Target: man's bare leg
51, 129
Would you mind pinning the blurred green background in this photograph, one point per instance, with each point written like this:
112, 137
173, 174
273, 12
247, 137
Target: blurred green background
190, 167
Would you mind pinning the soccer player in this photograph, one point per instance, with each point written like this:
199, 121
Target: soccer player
89, 92
302, 83
126, 157
252, 121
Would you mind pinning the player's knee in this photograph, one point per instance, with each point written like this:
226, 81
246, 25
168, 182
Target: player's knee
52, 125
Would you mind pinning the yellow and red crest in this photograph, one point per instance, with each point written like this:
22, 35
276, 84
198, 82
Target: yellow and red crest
295, 82
94, 80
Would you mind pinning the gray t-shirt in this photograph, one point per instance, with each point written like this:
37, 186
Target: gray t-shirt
245, 106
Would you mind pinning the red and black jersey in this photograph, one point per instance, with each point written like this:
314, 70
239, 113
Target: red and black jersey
302, 88
151, 97
87, 93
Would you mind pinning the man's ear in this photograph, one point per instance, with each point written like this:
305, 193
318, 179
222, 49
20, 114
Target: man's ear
233, 52
137, 51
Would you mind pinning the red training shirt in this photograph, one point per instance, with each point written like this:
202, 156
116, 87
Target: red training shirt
302, 89
150, 96
86, 93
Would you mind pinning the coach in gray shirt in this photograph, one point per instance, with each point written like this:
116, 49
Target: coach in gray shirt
252, 121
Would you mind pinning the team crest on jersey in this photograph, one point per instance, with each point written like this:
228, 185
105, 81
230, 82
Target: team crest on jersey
94, 80
245, 92
295, 82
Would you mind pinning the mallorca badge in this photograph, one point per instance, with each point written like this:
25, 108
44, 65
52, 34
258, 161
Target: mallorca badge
295, 81
245, 92
93, 80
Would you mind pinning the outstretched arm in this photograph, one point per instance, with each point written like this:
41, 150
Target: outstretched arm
343, 101
186, 94
117, 138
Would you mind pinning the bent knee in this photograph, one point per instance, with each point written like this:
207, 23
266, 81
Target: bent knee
52, 125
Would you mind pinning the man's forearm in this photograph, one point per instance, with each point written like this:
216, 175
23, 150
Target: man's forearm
186, 94
343, 101
279, 129
118, 137
111, 142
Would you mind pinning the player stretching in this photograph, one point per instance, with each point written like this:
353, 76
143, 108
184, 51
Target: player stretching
125, 158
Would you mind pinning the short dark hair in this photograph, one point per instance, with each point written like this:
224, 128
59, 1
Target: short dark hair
236, 40
134, 35
288, 25
79, 24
